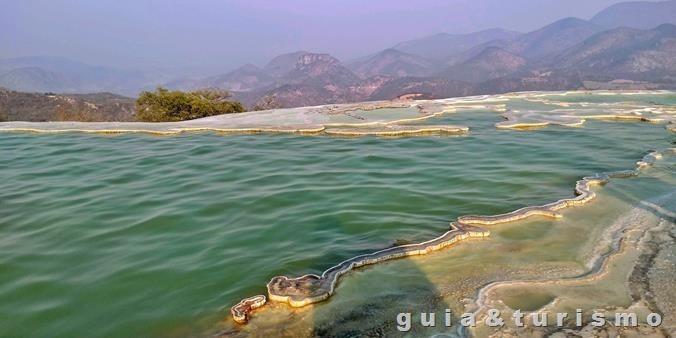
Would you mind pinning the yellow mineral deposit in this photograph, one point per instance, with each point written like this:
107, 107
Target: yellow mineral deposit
392, 118
308, 289
385, 118
397, 130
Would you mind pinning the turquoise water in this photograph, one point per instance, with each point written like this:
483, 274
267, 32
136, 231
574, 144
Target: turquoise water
135, 235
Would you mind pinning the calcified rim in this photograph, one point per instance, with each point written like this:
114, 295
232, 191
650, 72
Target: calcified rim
397, 130
513, 122
394, 122
174, 131
600, 267
241, 311
427, 108
366, 129
564, 117
376, 128
311, 288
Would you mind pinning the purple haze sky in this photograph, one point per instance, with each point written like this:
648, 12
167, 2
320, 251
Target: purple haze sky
220, 35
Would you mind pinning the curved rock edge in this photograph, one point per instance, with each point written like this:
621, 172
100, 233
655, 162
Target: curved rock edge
365, 129
601, 266
599, 269
240, 312
427, 109
465, 227
513, 121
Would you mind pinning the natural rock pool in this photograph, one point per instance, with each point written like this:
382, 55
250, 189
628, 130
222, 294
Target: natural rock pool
158, 236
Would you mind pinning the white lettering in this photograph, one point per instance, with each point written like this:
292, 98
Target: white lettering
428, 319
468, 319
654, 319
625, 319
404, 321
538, 319
518, 316
449, 323
541, 321
598, 319
494, 319
559, 318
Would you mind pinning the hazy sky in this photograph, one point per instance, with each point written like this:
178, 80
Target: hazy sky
220, 35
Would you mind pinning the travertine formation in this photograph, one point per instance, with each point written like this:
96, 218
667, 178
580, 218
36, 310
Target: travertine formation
306, 129
574, 114
308, 289
400, 118
397, 130
384, 118
394, 118
582, 188
241, 311
571, 118
633, 254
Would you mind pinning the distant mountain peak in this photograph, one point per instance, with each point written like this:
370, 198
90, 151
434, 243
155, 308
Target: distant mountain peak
315, 58
637, 14
391, 51
392, 62
282, 64
566, 24
553, 38
624, 52
497, 30
319, 69
249, 67
666, 27
492, 62
569, 21
495, 52
443, 46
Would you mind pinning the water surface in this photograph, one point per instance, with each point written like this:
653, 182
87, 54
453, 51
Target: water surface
137, 235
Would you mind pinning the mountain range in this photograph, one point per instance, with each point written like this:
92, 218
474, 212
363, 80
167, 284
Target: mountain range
39, 107
634, 42
58, 74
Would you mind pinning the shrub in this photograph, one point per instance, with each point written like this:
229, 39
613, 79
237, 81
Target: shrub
163, 105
